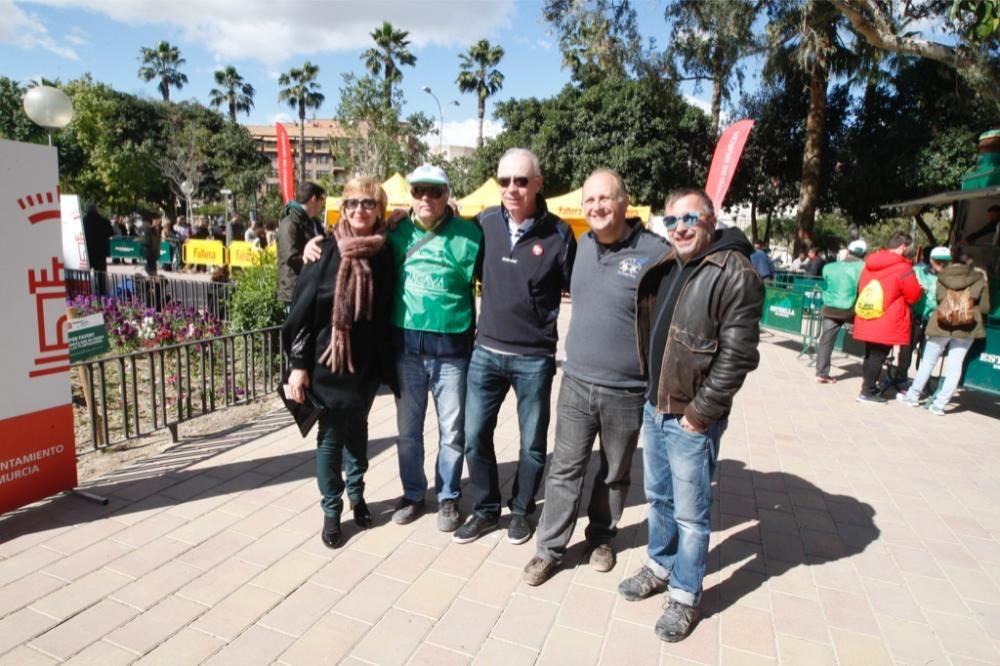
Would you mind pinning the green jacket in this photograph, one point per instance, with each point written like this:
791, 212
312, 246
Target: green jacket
434, 284
928, 280
841, 290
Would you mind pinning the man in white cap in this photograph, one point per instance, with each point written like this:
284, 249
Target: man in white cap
435, 253
839, 294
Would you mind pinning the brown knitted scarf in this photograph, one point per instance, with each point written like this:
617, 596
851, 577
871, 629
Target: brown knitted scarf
353, 294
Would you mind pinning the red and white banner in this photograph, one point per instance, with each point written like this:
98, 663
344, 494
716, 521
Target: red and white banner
724, 161
37, 451
73, 243
286, 169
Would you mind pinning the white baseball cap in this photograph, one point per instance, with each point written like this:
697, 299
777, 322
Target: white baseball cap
857, 247
428, 174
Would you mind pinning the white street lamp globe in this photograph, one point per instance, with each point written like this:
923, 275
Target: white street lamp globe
187, 188
48, 107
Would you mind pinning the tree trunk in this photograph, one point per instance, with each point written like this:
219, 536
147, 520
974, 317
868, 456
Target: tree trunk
389, 71
302, 142
717, 84
919, 219
767, 227
482, 113
813, 153
165, 89
753, 220
232, 111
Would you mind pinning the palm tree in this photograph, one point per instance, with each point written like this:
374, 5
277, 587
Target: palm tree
390, 53
810, 41
476, 76
162, 63
233, 91
301, 91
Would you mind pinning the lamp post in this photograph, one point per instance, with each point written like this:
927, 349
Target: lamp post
48, 107
427, 89
188, 189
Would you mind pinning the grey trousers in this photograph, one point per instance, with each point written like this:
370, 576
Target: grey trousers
585, 411
824, 348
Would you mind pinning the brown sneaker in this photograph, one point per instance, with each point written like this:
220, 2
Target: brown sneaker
538, 570
602, 558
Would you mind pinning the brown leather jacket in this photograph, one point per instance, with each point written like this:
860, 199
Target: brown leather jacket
712, 341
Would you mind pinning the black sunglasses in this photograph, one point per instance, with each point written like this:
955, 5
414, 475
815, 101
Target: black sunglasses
351, 204
519, 181
432, 191
689, 219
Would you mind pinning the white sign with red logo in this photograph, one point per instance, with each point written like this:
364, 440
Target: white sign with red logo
37, 452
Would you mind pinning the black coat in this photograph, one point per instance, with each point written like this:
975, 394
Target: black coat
308, 329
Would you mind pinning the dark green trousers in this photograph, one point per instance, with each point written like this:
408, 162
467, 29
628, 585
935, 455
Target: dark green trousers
342, 452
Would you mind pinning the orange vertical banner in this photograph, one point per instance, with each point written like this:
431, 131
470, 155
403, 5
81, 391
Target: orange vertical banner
724, 161
286, 169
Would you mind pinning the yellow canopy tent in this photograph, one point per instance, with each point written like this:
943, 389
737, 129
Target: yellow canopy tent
570, 208
396, 189
487, 195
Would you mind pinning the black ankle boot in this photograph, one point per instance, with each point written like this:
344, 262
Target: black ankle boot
331, 531
362, 516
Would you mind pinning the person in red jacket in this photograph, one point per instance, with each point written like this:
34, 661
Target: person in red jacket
882, 313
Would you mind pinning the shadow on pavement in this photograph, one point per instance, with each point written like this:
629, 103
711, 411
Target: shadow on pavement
789, 522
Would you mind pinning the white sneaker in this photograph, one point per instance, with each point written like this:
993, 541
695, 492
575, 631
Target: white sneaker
901, 397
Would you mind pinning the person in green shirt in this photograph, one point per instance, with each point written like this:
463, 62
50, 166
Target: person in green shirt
841, 290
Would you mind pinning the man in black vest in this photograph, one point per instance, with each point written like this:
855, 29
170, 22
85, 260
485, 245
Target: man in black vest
526, 263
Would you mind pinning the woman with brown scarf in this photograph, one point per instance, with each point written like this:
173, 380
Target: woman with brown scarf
337, 339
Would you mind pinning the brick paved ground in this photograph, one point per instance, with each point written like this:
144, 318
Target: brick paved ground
845, 534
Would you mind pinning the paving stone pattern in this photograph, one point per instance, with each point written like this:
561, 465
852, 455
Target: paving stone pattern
843, 534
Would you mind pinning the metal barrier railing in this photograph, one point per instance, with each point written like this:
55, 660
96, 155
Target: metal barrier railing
151, 292
131, 395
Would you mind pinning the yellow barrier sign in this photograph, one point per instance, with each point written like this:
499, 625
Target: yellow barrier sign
242, 253
204, 252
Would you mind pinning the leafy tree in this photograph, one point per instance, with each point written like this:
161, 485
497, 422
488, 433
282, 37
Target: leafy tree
971, 47
478, 76
376, 140
391, 52
642, 128
300, 91
162, 63
233, 91
14, 122
185, 159
598, 38
710, 37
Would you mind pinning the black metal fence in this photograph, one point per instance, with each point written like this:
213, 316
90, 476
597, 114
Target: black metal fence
151, 292
134, 394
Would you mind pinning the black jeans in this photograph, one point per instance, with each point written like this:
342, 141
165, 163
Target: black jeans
871, 367
585, 411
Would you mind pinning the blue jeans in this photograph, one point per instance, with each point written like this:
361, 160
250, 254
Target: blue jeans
491, 375
445, 379
957, 348
678, 467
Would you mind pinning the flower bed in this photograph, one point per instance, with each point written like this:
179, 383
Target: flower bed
132, 326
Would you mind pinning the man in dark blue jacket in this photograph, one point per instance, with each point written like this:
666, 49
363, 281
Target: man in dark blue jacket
525, 265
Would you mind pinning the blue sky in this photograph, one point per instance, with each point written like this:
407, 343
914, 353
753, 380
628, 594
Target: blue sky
63, 39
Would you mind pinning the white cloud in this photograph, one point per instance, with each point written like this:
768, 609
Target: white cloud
272, 32
464, 132
698, 103
27, 31
281, 117
76, 36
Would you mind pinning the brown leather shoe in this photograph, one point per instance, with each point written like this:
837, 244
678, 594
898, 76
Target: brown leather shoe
538, 570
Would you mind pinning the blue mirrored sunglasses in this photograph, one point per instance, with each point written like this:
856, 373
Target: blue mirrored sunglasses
689, 219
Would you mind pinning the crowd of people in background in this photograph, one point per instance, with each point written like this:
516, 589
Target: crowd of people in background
900, 302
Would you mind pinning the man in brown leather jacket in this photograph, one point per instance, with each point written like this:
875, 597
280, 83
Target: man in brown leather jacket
697, 325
